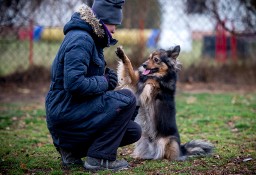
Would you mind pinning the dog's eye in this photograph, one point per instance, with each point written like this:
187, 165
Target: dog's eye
156, 59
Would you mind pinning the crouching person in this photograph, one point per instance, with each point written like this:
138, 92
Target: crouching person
85, 115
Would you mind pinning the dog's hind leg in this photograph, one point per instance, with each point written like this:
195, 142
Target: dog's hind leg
172, 149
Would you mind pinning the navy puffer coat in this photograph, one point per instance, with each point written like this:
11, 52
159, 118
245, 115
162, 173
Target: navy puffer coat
78, 104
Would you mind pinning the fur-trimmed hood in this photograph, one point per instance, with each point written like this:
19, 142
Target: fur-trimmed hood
88, 16
85, 19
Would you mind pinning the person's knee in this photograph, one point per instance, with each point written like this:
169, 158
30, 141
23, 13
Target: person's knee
130, 94
132, 134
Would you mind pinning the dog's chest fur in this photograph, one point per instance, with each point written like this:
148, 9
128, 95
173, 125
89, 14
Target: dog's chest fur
147, 93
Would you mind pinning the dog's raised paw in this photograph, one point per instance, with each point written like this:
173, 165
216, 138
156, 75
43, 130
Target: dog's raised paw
120, 53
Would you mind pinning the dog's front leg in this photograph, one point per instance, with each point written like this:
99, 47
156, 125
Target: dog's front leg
122, 56
134, 76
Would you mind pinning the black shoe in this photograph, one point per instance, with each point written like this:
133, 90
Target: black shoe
102, 164
68, 158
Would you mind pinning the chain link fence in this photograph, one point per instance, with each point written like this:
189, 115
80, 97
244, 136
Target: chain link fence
212, 30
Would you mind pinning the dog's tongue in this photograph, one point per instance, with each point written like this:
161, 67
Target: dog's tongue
146, 72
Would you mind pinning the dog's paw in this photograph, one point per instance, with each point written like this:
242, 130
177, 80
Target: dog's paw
120, 53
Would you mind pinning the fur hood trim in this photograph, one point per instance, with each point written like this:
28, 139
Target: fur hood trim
88, 16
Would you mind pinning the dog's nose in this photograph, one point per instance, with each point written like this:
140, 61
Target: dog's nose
144, 65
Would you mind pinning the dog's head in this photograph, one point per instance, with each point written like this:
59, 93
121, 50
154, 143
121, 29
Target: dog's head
160, 62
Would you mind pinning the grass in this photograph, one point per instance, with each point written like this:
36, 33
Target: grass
226, 119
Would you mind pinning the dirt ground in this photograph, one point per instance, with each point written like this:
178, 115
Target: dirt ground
23, 93
31, 85
35, 92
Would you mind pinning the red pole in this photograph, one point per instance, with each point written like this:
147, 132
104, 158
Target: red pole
220, 45
31, 34
233, 45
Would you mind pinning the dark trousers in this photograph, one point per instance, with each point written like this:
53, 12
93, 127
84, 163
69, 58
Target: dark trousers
120, 132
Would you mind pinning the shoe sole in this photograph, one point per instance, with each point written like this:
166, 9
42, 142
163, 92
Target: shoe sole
97, 168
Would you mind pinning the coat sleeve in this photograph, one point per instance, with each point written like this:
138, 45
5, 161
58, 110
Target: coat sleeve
76, 63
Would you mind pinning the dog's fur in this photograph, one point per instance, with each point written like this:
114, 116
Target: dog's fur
154, 84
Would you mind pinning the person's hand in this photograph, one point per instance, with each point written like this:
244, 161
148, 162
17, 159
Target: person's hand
111, 77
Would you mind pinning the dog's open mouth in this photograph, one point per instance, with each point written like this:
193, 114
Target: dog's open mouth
149, 71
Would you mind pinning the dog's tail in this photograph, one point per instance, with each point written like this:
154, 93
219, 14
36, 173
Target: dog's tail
197, 148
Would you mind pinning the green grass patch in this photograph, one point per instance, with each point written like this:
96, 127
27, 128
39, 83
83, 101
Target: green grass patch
227, 120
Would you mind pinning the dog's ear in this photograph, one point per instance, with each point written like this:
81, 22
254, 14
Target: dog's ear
174, 52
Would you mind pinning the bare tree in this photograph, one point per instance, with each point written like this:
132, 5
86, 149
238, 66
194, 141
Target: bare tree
238, 17
13, 11
137, 12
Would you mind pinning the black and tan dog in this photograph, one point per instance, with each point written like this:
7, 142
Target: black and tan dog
154, 84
